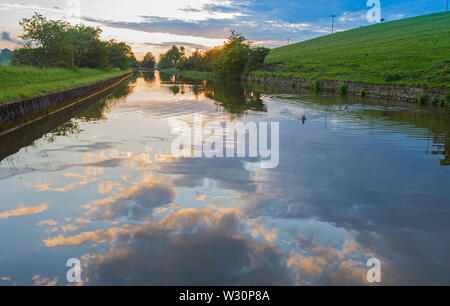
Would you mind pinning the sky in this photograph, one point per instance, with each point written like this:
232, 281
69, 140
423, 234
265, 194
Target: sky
155, 25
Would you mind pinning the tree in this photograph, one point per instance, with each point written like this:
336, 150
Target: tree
229, 61
43, 36
90, 51
233, 57
120, 54
49, 43
196, 62
148, 61
256, 58
171, 58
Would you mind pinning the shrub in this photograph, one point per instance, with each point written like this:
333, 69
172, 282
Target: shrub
318, 85
343, 89
362, 92
447, 98
422, 98
436, 100
389, 77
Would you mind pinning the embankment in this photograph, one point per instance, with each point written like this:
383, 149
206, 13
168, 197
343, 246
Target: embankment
15, 115
388, 92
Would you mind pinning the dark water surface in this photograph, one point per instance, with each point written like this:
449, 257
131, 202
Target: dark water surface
103, 187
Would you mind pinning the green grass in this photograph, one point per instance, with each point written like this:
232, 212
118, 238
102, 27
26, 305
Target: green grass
413, 52
195, 75
198, 75
25, 82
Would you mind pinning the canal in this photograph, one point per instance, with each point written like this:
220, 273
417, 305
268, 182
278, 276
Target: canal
355, 180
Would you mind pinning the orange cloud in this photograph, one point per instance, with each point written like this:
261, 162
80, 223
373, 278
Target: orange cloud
48, 222
201, 198
44, 281
99, 236
23, 210
69, 228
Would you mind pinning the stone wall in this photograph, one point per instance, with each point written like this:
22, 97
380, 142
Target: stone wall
389, 92
14, 115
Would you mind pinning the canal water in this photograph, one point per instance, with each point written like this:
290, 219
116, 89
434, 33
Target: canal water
353, 183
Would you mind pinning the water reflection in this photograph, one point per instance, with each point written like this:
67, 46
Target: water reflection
351, 185
63, 124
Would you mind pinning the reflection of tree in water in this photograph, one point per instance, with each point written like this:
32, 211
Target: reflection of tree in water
198, 90
169, 78
67, 129
436, 122
149, 76
94, 113
97, 110
233, 97
174, 89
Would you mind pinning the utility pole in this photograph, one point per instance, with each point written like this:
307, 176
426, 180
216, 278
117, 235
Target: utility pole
289, 41
332, 23
446, 7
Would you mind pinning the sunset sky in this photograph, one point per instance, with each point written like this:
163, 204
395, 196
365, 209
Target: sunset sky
156, 25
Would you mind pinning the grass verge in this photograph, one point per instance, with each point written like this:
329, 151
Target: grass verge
18, 83
413, 52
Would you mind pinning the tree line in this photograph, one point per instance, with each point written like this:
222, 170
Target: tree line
58, 44
234, 58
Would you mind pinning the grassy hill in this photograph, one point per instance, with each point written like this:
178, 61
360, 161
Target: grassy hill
413, 52
25, 82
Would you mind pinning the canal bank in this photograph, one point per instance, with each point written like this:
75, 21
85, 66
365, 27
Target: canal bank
15, 115
388, 92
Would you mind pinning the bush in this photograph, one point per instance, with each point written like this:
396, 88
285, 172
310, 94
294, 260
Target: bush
58, 44
256, 58
343, 89
362, 92
447, 98
436, 101
422, 98
389, 77
318, 85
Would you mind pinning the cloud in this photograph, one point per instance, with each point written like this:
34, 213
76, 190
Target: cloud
201, 197
135, 202
23, 211
166, 45
6, 36
320, 264
44, 281
188, 247
209, 28
97, 237
48, 223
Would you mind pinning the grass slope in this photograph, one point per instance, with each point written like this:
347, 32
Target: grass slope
413, 52
25, 82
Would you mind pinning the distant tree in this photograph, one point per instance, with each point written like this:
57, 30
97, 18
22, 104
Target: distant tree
90, 51
43, 35
148, 61
171, 58
120, 54
256, 58
196, 62
233, 57
231, 60
49, 43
